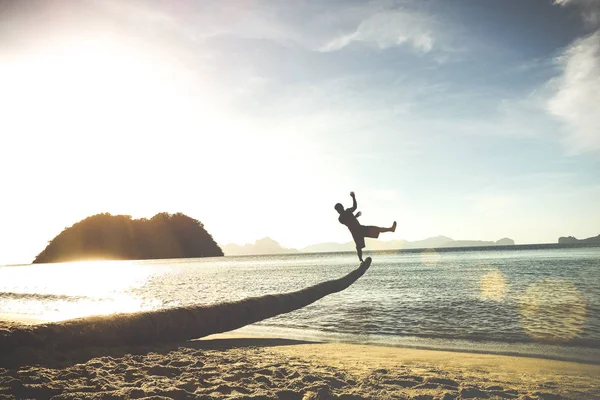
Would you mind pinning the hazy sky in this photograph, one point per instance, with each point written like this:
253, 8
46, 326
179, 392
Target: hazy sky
471, 119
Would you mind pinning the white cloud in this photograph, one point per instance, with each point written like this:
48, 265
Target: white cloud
590, 10
390, 29
577, 93
318, 27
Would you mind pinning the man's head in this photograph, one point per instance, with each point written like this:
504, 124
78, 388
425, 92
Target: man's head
339, 207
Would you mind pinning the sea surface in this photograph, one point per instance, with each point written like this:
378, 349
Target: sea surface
542, 302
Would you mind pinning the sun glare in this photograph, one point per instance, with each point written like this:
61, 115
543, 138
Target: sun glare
430, 257
79, 289
93, 85
93, 112
493, 286
113, 117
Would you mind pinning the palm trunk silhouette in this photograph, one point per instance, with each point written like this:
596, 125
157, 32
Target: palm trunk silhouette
169, 325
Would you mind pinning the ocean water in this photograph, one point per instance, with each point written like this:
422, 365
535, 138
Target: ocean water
527, 301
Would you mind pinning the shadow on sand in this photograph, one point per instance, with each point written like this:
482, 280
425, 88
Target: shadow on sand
54, 358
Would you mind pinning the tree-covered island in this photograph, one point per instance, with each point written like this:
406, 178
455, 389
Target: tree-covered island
119, 237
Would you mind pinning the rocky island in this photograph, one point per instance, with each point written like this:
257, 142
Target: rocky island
573, 240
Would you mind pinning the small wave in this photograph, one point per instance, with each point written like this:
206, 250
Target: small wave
40, 296
481, 337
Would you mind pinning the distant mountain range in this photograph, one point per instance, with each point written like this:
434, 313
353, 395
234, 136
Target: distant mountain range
573, 240
269, 246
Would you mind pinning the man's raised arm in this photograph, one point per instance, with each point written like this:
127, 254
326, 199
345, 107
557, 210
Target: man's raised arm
353, 208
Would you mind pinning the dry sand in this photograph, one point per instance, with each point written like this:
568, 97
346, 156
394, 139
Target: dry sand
229, 367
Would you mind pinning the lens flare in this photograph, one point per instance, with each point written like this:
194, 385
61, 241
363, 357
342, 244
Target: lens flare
493, 286
552, 310
430, 257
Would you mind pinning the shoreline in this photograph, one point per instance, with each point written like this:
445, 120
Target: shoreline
241, 366
577, 355
537, 350
465, 347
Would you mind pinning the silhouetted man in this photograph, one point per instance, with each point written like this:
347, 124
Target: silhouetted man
359, 232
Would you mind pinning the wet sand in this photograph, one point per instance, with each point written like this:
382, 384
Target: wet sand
230, 367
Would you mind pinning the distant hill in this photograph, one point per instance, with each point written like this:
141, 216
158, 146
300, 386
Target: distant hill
106, 236
436, 241
262, 246
475, 243
573, 240
270, 246
505, 242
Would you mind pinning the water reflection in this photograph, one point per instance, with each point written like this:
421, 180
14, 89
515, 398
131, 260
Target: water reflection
430, 257
552, 310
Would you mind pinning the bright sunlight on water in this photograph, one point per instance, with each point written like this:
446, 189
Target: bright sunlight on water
55, 292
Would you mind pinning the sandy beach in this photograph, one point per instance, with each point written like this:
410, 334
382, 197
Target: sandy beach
231, 367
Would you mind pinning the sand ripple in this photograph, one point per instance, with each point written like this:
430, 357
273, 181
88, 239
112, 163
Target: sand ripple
250, 369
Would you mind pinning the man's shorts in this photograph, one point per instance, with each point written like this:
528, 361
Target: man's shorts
365, 231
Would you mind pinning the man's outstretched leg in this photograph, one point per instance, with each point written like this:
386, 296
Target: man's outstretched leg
390, 229
374, 231
359, 251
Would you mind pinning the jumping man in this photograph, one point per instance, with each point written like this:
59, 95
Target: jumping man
359, 232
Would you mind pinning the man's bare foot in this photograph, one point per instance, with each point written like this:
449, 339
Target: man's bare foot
394, 227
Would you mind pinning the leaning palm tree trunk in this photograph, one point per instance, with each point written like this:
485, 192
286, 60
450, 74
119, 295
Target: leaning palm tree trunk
175, 324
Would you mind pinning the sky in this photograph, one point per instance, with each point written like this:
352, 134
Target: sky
465, 118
